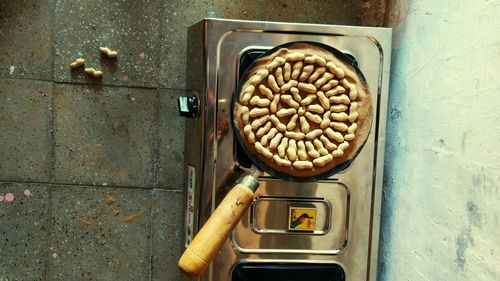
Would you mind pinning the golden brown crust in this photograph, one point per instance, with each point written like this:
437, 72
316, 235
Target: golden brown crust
300, 105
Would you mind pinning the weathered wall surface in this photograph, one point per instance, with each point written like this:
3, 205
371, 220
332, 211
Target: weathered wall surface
441, 202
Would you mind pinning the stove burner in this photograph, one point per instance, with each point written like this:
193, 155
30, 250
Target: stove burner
352, 58
246, 59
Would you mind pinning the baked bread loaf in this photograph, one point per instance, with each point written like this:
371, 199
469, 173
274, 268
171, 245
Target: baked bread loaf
303, 111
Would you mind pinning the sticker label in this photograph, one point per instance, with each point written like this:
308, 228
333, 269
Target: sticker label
189, 223
301, 218
183, 102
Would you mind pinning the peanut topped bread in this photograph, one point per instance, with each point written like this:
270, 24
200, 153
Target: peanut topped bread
303, 111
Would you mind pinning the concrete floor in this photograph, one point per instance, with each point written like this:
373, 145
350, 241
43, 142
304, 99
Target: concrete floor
91, 171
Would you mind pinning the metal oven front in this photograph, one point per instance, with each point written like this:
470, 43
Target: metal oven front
342, 241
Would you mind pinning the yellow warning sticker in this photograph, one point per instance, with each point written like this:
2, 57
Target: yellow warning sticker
302, 218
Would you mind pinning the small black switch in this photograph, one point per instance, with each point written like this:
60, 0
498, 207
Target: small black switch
188, 106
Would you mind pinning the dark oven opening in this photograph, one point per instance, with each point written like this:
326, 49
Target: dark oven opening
287, 272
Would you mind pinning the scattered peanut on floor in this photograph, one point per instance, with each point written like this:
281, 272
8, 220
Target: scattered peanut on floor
108, 52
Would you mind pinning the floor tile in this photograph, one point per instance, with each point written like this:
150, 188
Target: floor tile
25, 135
168, 239
373, 12
318, 11
104, 135
24, 231
171, 142
100, 234
177, 16
26, 39
240, 9
129, 27
176, 20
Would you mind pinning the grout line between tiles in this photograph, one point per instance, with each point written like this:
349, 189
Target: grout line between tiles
52, 130
171, 89
89, 185
53, 39
49, 236
117, 86
52, 155
151, 240
92, 84
168, 190
105, 85
28, 79
156, 144
78, 185
52, 152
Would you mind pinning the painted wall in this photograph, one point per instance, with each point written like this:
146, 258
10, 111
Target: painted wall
441, 202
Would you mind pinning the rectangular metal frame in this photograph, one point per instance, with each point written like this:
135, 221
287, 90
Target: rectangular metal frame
214, 47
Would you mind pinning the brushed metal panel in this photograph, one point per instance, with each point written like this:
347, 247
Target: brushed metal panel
279, 207
331, 241
214, 49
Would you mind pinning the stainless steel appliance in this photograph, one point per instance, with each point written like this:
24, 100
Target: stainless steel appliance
341, 241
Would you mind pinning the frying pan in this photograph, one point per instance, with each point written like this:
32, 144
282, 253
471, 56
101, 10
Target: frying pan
216, 230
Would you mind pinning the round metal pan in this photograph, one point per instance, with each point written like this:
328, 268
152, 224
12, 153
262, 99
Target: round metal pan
261, 165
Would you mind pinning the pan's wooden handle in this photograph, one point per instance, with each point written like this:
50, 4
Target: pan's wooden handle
207, 243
